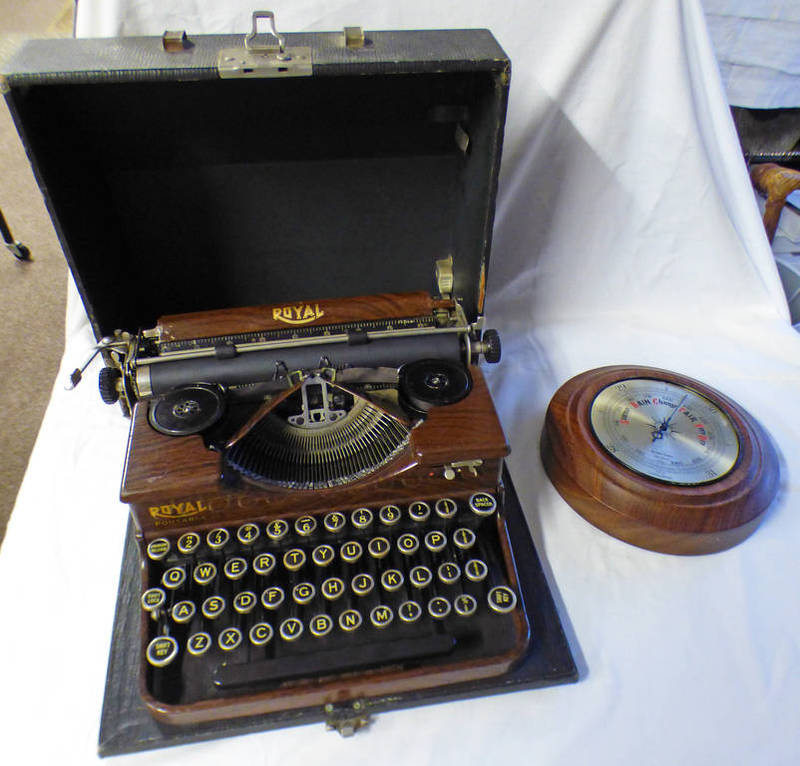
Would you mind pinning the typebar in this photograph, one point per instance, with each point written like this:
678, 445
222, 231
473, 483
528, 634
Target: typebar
332, 661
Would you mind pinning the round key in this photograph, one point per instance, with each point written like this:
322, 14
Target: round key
464, 538
305, 526
294, 559
303, 592
350, 620
438, 607
445, 508
260, 634
351, 551
188, 543
448, 572
291, 629
235, 568
476, 570
361, 518
392, 580
407, 544
183, 611
161, 651
213, 607
320, 625
482, 503
435, 541
173, 578
204, 572
247, 534
217, 538
153, 599
332, 588
502, 599
229, 639
419, 510
244, 602
362, 584
272, 597
323, 555
198, 644
381, 616
334, 522
389, 515
465, 605
263, 564
277, 529
379, 547
420, 577
158, 549
409, 611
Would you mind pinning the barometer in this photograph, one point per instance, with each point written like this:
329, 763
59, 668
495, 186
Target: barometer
658, 459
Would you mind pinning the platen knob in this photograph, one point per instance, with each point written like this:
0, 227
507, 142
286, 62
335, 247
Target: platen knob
492, 349
107, 383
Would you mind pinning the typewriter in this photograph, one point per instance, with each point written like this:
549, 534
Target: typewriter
317, 491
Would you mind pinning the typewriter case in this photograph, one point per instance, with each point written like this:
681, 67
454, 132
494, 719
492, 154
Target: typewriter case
175, 189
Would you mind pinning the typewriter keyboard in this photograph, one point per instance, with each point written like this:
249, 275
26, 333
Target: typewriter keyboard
245, 609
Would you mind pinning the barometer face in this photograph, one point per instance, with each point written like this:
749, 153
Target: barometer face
664, 431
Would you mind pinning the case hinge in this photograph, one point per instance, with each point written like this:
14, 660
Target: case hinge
258, 60
347, 719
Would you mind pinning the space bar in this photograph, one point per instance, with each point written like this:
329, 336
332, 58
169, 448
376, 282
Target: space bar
331, 661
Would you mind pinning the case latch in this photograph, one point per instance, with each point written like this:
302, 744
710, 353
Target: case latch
256, 59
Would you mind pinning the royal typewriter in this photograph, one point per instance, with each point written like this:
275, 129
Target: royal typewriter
282, 244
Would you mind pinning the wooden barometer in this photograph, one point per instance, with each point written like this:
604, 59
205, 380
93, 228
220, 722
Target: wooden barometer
658, 459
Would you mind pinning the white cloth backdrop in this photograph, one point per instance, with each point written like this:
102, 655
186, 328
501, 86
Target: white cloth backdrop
626, 233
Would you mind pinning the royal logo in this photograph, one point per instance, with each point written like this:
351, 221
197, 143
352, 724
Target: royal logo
177, 510
302, 313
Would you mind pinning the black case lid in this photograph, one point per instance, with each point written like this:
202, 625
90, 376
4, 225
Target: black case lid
173, 190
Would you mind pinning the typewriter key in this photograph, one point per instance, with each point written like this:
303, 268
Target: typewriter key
217, 538
464, 538
392, 580
351, 551
272, 597
378, 547
445, 508
188, 543
320, 625
183, 611
332, 588
158, 549
186, 411
247, 534
322, 555
408, 544
291, 629
476, 570
303, 593
161, 651
204, 573
438, 607
153, 599
448, 572
502, 599
294, 559
420, 577
381, 616
435, 541
305, 526
213, 607
419, 510
173, 578
361, 518
350, 620
235, 568
277, 530
465, 605
229, 639
362, 584
409, 611
482, 503
389, 515
198, 644
334, 522
244, 602
260, 634
263, 564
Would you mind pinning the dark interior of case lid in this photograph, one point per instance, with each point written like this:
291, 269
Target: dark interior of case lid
186, 196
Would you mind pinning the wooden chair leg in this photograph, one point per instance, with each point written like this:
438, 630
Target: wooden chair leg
775, 183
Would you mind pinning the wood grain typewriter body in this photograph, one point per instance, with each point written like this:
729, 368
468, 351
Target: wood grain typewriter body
447, 611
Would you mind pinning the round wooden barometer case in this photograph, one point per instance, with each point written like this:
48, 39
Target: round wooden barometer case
658, 459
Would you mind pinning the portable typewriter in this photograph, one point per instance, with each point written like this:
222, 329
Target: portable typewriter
315, 479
